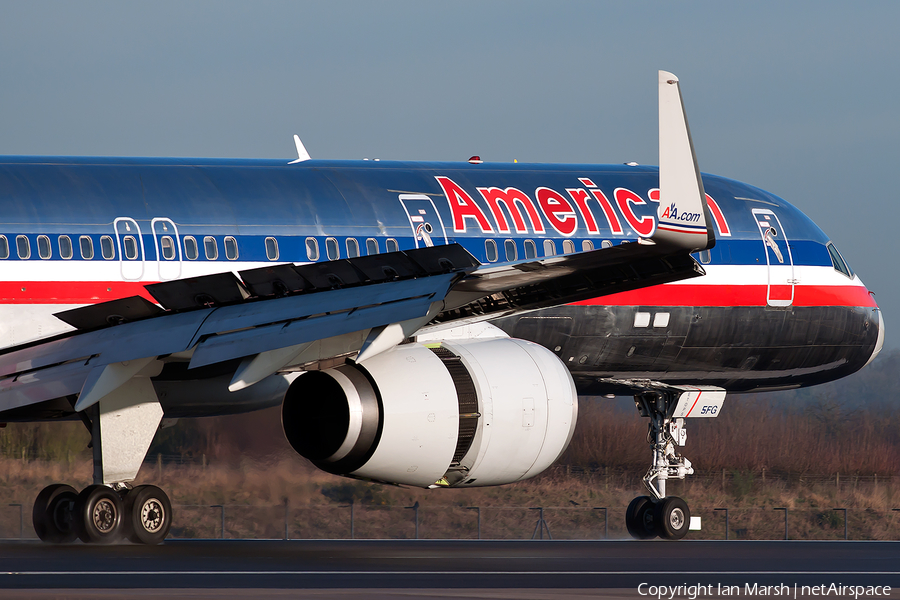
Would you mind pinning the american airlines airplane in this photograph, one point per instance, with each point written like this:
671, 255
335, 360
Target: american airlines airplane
392, 310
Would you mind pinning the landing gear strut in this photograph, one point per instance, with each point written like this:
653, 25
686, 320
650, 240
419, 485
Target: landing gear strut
657, 515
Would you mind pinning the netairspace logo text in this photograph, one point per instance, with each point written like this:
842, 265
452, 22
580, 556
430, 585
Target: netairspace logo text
692, 592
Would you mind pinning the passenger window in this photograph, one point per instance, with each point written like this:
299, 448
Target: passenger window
568, 247
231, 249
549, 248
587, 245
391, 245
129, 245
65, 247
168, 247
511, 252
331, 249
43, 247
106, 248
837, 261
312, 248
210, 247
87, 247
352, 248
371, 246
530, 249
23, 247
271, 248
606, 244
490, 250
4, 247
190, 248
705, 257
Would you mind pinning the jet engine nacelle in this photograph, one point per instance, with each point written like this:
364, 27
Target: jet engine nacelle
465, 413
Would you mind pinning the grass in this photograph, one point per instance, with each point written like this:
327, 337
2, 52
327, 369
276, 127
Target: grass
254, 494
752, 434
756, 457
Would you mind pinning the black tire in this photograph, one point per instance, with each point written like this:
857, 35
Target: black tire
672, 518
148, 515
639, 518
53, 514
98, 515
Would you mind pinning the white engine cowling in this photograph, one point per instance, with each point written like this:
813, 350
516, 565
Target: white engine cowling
462, 413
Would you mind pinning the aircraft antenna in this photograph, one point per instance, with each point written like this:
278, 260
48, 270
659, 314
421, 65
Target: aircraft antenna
302, 154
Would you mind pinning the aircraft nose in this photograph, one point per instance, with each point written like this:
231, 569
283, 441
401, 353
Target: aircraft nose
879, 342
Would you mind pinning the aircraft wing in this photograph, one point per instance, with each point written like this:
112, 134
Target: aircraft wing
273, 317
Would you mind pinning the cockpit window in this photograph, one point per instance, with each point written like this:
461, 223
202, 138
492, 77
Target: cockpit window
837, 261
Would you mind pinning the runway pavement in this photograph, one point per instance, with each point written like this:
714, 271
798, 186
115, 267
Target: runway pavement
443, 569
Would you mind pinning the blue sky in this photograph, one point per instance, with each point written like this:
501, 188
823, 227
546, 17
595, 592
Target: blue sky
799, 98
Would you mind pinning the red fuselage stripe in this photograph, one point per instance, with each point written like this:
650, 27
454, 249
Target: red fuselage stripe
92, 292
734, 295
70, 292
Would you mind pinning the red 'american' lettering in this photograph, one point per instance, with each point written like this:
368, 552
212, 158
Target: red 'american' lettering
611, 218
557, 210
581, 197
718, 216
512, 209
514, 200
643, 226
462, 206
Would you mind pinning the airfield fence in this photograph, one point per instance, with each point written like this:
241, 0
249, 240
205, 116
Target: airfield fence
360, 521
842, 482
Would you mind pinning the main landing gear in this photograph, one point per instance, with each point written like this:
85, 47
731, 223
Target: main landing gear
101, 514
123, 417
658, 515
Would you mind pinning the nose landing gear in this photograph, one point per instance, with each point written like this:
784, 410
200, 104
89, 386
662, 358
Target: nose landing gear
672, 518
639, 518
659, 515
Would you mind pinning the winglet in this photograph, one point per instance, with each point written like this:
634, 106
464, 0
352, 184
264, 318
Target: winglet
302, 154
683, 216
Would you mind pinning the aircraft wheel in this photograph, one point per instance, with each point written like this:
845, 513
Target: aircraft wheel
98, 515
148, 515
672, 518
53, 515
639, 518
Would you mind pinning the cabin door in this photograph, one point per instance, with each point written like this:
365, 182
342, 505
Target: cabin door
780, 285
130, 245
168, 248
